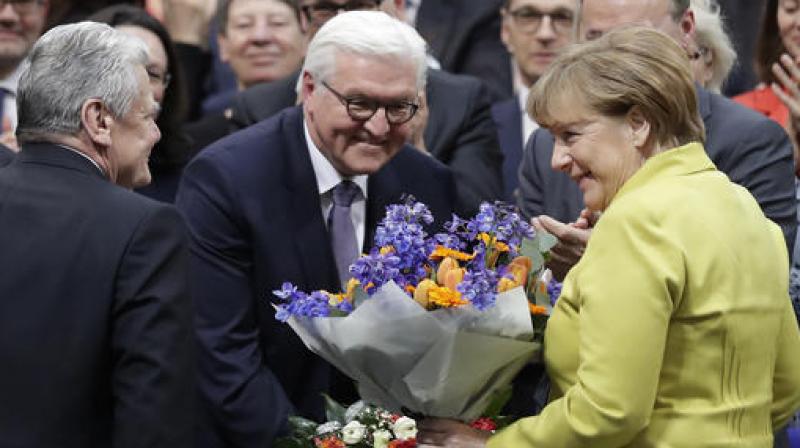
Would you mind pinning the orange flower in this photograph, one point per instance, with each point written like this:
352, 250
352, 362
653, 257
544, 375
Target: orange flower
488, 241
444, 252
452, 278
387, 250
421, 292
329, 442
410, 289
445, 297
506, 284
446, 265
537, 310
519, 268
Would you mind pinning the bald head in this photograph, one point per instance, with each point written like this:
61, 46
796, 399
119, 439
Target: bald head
673, 17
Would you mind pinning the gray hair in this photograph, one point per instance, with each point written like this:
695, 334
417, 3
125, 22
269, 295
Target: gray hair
365, 33
69, 65
710, 35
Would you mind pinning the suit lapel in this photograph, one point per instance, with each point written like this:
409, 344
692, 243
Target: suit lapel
305, 215
383, 189
704, 106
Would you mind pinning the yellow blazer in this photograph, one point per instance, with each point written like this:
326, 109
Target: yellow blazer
675, 329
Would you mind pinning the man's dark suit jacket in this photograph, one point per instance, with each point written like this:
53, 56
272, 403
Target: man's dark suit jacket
6, 155
255, 221
460, 132
752, 150
96, 344
508, 119
464, 36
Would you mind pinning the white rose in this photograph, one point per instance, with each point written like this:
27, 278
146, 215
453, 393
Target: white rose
380, 438
405, 428
353, 432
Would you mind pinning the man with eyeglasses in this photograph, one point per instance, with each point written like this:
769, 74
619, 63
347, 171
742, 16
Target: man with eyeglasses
453, 123
296, 198
21, 23
534, 32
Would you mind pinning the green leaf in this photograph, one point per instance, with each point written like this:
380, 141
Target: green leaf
302, 427
546, 241
498, 402
530, 248
334, 412
359, 296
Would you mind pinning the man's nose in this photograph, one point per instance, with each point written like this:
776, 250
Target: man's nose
377, 124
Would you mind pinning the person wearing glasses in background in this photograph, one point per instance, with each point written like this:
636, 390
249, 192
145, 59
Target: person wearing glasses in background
297, 198
534, 32
21, 23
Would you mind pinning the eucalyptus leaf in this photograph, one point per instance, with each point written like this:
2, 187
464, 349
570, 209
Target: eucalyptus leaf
359, 296
546, 241
333, 410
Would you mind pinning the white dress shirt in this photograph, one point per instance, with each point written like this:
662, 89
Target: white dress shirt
528, 125
327, 179
9, 84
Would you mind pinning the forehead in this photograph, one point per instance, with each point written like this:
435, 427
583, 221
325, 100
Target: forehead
241, 7
374, 76
603, 15
542, 5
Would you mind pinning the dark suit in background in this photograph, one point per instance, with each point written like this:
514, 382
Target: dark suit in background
460, 132
464, 36
507, 117
255, 220
95, 321
751, 149
6, 155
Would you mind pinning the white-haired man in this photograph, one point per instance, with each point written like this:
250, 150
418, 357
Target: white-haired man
95, 323
296, 198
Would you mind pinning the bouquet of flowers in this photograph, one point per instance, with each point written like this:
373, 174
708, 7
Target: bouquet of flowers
439, 324
362, 426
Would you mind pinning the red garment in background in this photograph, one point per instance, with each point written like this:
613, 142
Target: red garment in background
764, 100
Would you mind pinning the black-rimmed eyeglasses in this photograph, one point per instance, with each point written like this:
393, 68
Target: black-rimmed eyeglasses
362, 109
529, 20
320, 12
21, 7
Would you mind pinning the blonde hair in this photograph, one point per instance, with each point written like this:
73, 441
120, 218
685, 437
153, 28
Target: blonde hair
628, 67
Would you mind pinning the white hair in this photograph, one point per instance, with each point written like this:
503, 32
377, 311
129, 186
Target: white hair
710, 34
69, 65
365, 33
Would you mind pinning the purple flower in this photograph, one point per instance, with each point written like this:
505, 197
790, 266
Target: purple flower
554, 290
376, 269
300, 304
480, 288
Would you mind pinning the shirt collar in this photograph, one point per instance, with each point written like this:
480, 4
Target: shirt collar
9, 83
326, 174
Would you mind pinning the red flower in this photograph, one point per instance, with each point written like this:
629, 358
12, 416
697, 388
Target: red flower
484, 424
329, 442
408, 443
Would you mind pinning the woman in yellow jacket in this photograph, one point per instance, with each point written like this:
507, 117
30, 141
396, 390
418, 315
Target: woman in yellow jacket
675, 329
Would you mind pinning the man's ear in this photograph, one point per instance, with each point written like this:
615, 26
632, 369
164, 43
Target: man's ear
307, 86
688, 27
97, 120
640, 127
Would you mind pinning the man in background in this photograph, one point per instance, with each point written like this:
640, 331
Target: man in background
534, 32
21, 23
